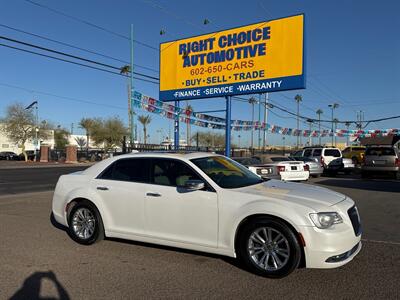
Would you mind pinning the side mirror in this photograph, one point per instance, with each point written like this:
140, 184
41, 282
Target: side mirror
194, 185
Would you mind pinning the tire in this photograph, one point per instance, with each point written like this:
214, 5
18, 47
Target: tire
265, 259
85, 225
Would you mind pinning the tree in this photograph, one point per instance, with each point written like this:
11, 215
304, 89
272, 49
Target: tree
81, 142
209, 139
87, 124
60, 137
144, 120
108, 133
20, 126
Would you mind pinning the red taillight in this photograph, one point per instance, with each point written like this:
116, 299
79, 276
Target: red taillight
322, 162
306, 168
397, 162
280, 169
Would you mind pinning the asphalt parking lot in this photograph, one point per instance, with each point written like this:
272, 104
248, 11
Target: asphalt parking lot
38, 259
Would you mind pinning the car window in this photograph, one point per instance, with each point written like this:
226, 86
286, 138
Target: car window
128, 169
332, 152
307, 152
379, 151
171, 172
226, 172
317, 152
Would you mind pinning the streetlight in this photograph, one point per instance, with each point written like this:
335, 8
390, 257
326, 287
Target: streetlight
310, 122
252, 101
347, 124
335, 120
333, 106
283, 140
239, 136
298, 99
36, 105
319, 112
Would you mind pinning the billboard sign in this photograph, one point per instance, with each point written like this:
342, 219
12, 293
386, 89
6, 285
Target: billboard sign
256, 58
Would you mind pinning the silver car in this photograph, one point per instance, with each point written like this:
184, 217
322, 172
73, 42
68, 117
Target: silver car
315, 167
381, 159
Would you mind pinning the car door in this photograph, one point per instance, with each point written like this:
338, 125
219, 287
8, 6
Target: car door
175, 213
122, 188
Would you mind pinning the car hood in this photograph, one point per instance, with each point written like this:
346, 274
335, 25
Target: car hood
302, 194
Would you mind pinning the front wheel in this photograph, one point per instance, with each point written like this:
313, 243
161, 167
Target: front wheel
85, 225
268, 247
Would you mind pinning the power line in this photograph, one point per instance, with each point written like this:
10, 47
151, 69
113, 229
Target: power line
61, 97
72, 62
89, 24
75, 47
72, 56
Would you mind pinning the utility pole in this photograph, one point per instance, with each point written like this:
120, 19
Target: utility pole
347, 124
259, 121
319, 112
252, 101
132, 112
335, 121
298, 99
309, 121
333, 106
265, 121
72, 128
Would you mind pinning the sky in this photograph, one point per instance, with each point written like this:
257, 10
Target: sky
352, 58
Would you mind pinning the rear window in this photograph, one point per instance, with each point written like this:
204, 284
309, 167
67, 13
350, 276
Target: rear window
379, 151
277, 159
307, 152
332, 152
317, 152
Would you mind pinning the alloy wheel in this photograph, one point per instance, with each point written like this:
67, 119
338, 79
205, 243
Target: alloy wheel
268, 248
83, 223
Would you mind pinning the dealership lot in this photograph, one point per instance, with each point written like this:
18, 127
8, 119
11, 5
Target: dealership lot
34, 253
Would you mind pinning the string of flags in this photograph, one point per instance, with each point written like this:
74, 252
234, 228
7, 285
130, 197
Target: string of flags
207, 121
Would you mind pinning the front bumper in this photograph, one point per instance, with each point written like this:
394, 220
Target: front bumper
333, 247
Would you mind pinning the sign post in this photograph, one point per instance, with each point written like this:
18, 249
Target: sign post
228, 126
176, 126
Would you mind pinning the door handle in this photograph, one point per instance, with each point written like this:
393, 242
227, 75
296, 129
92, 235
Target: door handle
102, 188
153, 194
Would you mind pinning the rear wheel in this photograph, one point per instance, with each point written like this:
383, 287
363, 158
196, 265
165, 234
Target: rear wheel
268, 247
85, 225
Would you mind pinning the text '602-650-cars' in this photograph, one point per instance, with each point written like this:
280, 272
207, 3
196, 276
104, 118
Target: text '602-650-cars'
209, 203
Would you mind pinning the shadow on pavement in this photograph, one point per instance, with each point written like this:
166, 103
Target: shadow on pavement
31, 287
380, 185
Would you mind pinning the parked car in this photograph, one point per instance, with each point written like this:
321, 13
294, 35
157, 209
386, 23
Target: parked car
355, 153
8, 155
30, 154
329, 157
207, 202
255, 165
381, 159
348, 165
314, 165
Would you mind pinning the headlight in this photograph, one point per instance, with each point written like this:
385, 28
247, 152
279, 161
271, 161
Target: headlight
325, 220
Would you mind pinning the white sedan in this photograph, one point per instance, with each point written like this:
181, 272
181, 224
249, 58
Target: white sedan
209, 203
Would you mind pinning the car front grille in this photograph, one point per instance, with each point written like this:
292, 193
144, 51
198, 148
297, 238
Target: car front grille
355, 220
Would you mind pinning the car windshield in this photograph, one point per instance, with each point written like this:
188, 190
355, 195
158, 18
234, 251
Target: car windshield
332, 152
226, 172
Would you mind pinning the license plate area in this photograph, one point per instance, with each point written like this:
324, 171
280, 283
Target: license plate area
293, 168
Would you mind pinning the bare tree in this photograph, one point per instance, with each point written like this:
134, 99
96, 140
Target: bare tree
20, 126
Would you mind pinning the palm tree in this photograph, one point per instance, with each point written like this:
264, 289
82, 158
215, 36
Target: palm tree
319, 113
189, 108
80, 141
87, 124
144, 120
